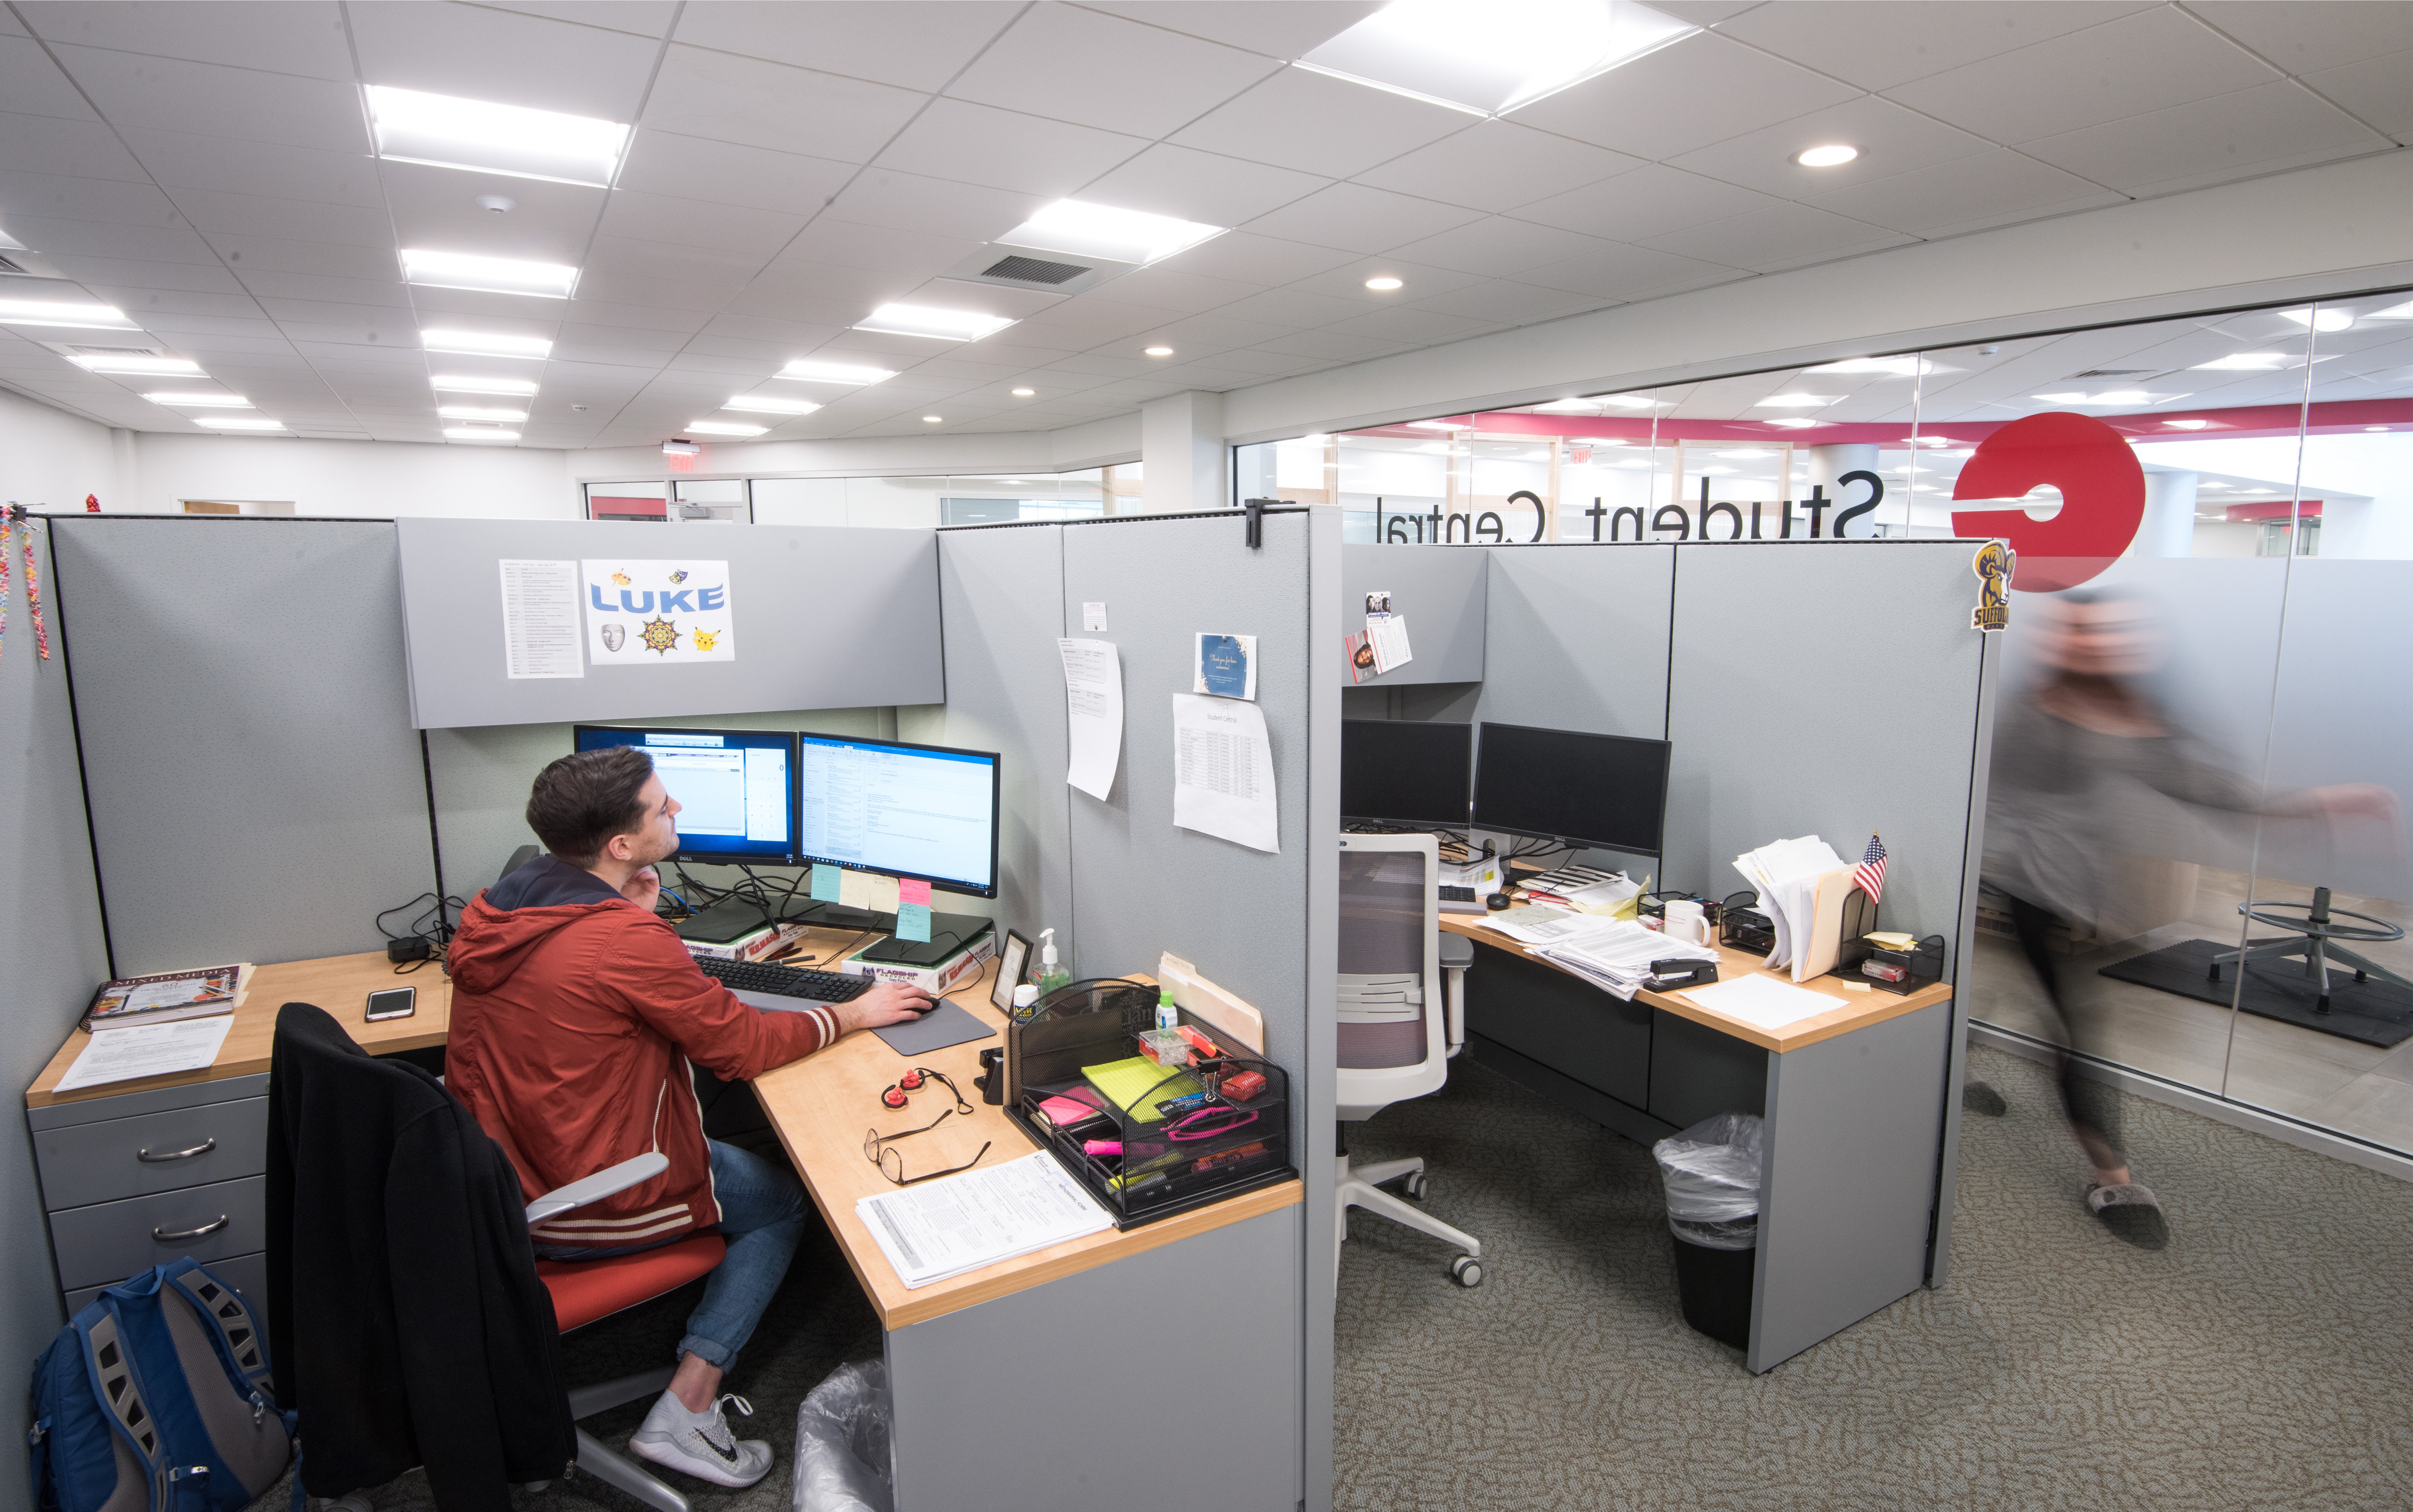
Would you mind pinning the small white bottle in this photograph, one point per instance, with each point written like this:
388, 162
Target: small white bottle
1168, 1014
1051, 975
1024, 997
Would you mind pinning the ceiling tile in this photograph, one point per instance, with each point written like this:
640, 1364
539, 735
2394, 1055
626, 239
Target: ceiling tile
33, 85
731, 173
51, 144
1892, 139
622, 270
1629, 273
168, 95
247, 255
657, 218
2124, 67
134, 273
1168, 287
1092, 320
1410, 326
295, 37
589, 313
792, 336
1100, 70
1251, 259
182, 160
1316, 124
139, 305
2379, 89
840, 242
1285, 31
480, 53
64, 237
1498, 247
2310, 35
115, 202
1504, 303
1967, 194
1348, 281
1356, 218
918, 46
645, 18
1648, 201
304, 220
1335, 346
266, 285
990, 299
1651, 107
860, 288
1294, 308
437, 208
1221, 332
1497, 165
703, 93
1877, 44
1005, 149
912, 203
1207, 188
2277, 125
1776, 236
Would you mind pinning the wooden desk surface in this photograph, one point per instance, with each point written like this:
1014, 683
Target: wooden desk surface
1852, 1010
824, 1105
339, 984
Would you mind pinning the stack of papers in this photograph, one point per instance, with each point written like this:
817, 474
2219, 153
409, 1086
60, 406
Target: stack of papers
1802, 884
958, 1223
1764, 1002
1615, 893
1616, 958
1539, 924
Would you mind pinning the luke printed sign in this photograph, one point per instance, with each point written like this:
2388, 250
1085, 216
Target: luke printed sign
641, 612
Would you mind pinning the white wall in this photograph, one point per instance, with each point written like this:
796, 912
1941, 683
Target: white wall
49, 457
372, 480
1096, 443
872, 501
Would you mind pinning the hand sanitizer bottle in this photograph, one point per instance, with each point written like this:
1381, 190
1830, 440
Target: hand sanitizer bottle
1051, 975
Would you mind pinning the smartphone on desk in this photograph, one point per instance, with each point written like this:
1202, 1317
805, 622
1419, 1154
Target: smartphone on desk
393, 1002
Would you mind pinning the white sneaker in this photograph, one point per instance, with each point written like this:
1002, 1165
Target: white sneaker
701, 1443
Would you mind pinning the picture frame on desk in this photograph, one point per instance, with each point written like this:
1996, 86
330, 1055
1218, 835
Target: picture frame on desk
1009, 962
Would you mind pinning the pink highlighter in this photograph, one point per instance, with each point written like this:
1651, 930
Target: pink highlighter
1102, 1146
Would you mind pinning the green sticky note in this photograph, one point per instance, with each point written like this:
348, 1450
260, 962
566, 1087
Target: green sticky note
913, 921
824, 883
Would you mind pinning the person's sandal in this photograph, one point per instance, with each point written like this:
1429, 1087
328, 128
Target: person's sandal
2132, 1213
1979, 1098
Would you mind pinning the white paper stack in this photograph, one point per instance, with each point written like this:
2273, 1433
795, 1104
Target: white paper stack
1785, 875
1540, 924
1618, 959
956, 1224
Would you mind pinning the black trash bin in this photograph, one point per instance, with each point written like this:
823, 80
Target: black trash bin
1711, 1174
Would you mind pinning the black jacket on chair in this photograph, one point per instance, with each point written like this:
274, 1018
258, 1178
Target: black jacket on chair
408, 1323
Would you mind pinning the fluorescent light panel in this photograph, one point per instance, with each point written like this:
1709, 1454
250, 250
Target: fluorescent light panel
764, 404
1087, 231
446, 131
478, 412
485, 344
725, 427
2319, 320
1488, 57
814, 370
86, 316
200, 401
470, 384
478, 433
141, 366
491, 276
935, 323
1795, 401
2246, 361
237, 423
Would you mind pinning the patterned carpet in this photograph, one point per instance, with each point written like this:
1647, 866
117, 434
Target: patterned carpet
2259, 1362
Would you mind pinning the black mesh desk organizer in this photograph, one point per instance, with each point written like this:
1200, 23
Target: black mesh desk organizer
1171, 1161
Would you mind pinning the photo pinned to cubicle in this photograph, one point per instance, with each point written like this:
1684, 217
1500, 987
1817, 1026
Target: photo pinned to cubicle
641, 612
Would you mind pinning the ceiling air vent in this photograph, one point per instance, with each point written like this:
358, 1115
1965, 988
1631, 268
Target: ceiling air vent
2119, 372
9, 264
1022, 270
72, 349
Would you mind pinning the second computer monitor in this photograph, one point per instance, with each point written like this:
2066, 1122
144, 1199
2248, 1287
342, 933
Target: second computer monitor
736, 789
1606, 792
1406, 772
925, 812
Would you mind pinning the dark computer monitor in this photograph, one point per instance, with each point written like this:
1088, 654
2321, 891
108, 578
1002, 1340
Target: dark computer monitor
925, 812
1406, 772
1606, 792
736, 789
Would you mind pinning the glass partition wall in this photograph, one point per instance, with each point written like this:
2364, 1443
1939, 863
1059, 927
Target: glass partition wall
2213, 520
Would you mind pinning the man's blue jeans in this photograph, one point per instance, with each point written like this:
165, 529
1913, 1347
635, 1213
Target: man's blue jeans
762, 1218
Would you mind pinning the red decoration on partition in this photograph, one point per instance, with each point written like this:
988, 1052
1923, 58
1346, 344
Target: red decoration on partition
2102, 498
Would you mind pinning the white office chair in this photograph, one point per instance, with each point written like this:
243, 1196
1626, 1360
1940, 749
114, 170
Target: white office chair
1395, 1037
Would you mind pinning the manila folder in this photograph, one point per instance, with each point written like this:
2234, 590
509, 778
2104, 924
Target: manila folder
1817, 956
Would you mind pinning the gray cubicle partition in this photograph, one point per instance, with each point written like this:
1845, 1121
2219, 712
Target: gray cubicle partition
825, 617
255, 787
1440, 592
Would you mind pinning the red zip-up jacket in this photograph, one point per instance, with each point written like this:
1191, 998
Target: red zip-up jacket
574, 1014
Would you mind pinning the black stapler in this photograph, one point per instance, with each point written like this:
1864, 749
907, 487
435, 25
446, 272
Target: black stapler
1667, 975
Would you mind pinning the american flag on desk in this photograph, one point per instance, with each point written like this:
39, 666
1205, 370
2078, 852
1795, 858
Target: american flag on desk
1869, 875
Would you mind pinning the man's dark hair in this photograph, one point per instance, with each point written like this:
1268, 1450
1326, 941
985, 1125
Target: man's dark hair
579, 802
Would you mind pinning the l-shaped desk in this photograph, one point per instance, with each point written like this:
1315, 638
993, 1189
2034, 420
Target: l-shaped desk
1038, 1381
1852, 1101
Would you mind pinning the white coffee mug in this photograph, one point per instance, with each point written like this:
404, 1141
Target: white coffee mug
1686, 922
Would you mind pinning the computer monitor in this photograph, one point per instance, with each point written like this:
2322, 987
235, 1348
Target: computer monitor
927, 812
1606, 792
736, 789
1406, 772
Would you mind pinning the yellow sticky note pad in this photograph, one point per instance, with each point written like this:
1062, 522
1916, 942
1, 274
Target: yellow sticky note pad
883, 895
854, 889
1891, 939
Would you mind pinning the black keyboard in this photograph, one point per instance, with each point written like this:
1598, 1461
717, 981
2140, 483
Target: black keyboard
784, 981
1456, 895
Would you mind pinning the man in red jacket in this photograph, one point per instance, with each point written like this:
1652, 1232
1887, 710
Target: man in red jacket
575, 1011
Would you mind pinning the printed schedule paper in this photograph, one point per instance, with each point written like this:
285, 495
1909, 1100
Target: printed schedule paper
1093, 712
541, 635
1224, 771
961, 1223
147, 1050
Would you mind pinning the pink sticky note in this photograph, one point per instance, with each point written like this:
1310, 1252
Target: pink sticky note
909, 891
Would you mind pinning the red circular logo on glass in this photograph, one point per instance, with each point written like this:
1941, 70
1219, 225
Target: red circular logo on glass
2102, 498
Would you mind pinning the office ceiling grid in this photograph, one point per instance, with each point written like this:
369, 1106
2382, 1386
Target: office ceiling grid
208, 169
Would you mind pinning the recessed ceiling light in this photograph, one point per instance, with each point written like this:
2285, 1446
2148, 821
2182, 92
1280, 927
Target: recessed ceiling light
2320, 319
1833, 155
145, 366
1630, 401
1898, 366
935, 323
491, 276
1024, 393
238, 423
1795, 401
478, 433
1157, 351
471, 383
2121, 396
485, 344
764, 404
1487, 58
1796, 425
725, 427
87, 316
1087, 231
2073, 397
2374, 427
511, 140
1384, 285
200, 401
933, 420
2186, 424
2245, 361
813, 370
478, 412
1434, 425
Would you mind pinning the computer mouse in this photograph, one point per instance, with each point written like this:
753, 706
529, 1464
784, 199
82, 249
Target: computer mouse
1496, 903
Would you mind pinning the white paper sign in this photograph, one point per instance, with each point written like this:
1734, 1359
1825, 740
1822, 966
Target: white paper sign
147, 1050
541, 620
1093, 618
1224, 771
1093, 712
645, 611
1388, 634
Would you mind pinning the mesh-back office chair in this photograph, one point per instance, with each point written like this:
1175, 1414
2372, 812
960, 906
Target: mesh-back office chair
1395, 1038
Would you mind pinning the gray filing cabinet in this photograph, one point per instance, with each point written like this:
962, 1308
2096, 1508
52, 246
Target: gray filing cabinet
132, 1181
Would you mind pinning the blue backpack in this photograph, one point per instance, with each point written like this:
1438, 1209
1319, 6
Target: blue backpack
156, 1399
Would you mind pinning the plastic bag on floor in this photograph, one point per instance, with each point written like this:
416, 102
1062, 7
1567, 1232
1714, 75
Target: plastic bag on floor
842, 1442
1712, 1173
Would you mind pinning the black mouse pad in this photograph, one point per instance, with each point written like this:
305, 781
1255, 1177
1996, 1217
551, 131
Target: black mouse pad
942, 1026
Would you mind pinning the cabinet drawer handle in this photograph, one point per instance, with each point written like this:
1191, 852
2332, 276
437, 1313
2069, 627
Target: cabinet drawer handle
203, 1149
181, 1235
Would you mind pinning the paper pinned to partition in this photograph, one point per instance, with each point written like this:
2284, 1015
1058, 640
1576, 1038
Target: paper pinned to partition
1093, 712
1224, 771
540, 634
